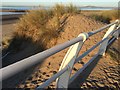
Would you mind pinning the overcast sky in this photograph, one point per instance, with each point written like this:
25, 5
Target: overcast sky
113, 3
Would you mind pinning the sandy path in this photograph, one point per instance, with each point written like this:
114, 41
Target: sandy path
7, 30
8, 23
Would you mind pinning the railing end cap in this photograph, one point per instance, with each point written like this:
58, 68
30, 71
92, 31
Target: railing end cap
84, 35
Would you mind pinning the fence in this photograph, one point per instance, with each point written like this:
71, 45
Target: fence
63, 76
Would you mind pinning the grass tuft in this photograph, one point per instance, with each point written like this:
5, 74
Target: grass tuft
106, 16
72, 9
5, 42
112, 14
100, 18
39, 27
59, 10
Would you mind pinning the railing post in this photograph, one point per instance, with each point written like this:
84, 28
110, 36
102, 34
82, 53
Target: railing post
103, 46
68, 61
117, 33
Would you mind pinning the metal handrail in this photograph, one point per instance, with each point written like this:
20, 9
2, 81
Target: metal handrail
80, 57
101, 29
45, 84
81, 69
91, 49
88, 51
12, 69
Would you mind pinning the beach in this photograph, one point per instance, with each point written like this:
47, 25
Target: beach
54, 61
35, 76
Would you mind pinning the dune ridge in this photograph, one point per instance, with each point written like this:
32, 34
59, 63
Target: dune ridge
101, 76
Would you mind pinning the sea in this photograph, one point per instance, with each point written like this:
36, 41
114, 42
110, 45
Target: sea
35, 8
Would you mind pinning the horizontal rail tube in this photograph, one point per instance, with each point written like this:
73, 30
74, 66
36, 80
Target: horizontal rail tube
82, 69
45, 84
92, 59
116, 30
111, 41
88, 51
101, 29
96, 45
35, 59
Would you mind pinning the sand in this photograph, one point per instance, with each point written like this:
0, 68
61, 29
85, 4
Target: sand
7, 29
8, 22
74, 26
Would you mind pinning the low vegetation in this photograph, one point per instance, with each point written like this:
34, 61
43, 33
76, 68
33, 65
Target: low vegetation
72, 9
106, 16
100, 18
5, 42
112, 14
38, 27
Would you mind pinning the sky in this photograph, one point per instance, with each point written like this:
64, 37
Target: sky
107, 3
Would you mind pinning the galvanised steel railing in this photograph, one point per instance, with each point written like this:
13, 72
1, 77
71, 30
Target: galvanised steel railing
63, 76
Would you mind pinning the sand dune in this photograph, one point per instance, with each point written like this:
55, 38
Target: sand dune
99, 78
74, 26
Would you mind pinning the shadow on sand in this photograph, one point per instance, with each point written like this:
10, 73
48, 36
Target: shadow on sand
85, 73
